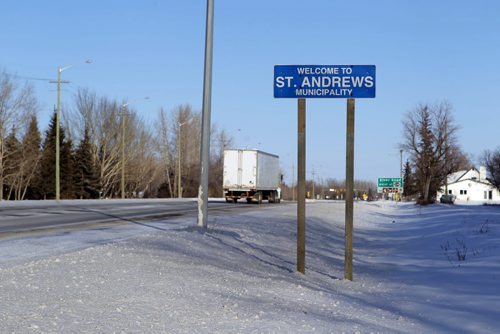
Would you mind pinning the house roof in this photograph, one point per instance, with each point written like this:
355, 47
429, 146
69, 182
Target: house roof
467, 175
454, 177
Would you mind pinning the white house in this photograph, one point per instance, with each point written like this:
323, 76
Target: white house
471, 186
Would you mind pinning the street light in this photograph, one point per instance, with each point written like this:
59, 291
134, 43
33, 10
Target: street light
401, 164
122, 186
179, 179
58, 113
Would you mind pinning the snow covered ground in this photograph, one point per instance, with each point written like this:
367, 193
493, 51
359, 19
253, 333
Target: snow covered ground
416, 270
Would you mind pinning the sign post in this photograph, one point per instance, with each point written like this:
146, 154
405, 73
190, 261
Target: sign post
301, 191
325, 81
349, 193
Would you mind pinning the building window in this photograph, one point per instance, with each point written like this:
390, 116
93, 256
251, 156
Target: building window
463, 192
488, 194
449, 192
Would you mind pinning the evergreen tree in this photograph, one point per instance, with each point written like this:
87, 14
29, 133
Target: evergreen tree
86, 180
408, 181
370, 194
13, 159
46, 182
31, 157
425, 159
67, 161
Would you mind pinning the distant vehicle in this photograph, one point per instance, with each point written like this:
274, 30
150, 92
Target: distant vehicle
447, 199
251, 174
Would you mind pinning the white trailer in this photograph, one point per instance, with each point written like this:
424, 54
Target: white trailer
251, 174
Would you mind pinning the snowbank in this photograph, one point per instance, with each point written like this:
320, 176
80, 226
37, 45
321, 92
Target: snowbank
239, 275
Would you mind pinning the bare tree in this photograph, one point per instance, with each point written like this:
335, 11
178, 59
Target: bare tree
16, 105
102, 117
491, 159
221, 141
141, 160
186, 126
164, 148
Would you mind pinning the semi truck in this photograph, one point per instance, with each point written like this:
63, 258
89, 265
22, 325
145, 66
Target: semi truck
252, 175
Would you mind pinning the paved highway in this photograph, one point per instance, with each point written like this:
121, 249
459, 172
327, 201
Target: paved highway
18, 217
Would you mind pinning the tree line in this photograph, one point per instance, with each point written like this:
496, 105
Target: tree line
92, 133
330, 189
163, 160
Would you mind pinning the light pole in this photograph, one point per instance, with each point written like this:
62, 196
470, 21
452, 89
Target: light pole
446, 158
179, 178
401, 172
122, 185
313, 193
58, 113
205, 120
401, 164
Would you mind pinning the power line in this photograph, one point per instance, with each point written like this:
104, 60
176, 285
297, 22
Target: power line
31, 78
39, 79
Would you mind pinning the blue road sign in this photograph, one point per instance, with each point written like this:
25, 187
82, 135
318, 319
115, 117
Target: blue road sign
324, 81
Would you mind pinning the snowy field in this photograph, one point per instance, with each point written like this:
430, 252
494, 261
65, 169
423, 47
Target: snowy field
416, 270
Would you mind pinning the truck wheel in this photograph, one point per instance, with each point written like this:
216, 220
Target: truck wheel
249, 200
272, 197
259, 197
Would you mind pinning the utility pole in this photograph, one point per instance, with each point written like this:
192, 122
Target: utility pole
205, 121
313, 193
123, 151
446, 157
401, 172
58, 122
58, 129
58, 113
401, 164
179, 169
293, 181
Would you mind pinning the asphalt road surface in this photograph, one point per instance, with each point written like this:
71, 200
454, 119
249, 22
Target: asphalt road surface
22, 217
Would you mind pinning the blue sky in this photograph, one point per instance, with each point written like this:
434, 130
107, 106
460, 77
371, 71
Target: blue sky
425, 52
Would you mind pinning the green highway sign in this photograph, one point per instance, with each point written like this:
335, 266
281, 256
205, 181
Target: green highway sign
395, 182
390, 185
